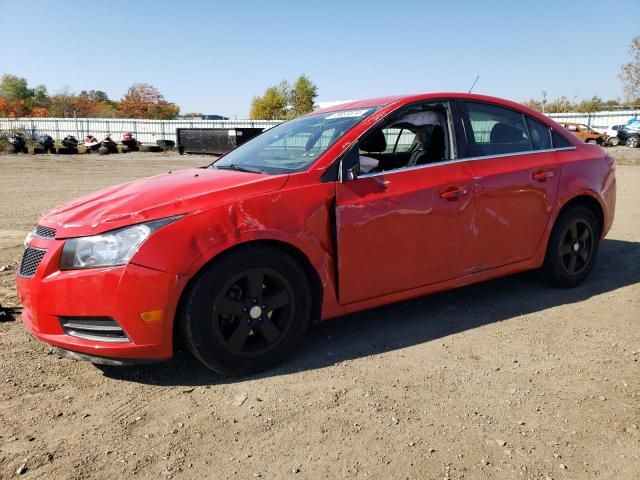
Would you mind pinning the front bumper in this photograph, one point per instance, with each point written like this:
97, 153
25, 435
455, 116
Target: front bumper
121, 293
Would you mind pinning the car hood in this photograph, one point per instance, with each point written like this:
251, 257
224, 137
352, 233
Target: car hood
174, 193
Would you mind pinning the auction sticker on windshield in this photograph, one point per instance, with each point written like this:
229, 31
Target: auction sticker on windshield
348, 114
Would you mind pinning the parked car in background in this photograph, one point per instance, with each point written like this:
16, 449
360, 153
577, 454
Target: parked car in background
585, 133
629, 135
348, 208
611, 135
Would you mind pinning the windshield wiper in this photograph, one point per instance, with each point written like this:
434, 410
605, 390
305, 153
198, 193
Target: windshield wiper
233, 166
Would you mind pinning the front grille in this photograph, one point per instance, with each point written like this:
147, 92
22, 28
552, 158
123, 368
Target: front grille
30, 261
102, 329
45, 232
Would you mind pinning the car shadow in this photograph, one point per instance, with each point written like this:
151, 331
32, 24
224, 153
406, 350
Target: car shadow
412, 322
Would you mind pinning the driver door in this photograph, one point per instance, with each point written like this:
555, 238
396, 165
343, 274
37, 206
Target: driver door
403, 229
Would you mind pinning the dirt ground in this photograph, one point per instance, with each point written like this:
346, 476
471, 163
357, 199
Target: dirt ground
506, 379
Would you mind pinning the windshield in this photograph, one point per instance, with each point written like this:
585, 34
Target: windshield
292, 146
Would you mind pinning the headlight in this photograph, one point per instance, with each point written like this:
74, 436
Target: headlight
108, 249
27, 240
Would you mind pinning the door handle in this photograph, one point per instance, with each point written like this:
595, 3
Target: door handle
453, 193
542, 175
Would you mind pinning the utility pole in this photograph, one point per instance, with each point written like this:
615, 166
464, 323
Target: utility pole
544, 99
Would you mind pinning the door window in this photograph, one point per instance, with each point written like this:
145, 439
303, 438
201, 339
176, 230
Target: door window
497, 130
398, 139
417, 135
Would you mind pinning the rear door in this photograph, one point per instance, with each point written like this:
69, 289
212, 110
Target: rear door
516, 174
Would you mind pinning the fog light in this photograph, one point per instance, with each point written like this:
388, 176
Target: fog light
151, 316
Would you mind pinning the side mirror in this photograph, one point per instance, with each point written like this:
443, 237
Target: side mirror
350, 164
353, 172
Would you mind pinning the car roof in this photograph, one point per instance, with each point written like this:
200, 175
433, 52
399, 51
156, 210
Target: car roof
404, 99
401, 100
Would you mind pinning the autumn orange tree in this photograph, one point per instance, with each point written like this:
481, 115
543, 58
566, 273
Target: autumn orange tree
142, 100
145, 101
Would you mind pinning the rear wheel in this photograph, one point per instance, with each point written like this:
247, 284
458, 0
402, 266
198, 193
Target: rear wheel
614, 141
573, 247
247, 311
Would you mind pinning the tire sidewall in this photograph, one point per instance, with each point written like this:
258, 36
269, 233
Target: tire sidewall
198, 309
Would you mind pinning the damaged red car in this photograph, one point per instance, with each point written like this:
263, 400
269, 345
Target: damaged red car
348, 208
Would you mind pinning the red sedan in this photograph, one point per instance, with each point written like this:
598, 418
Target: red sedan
345, 209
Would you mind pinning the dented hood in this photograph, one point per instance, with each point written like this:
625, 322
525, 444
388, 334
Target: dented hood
156, 197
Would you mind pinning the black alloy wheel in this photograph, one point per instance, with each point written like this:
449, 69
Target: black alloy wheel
247, 310
577, 246
253, 312
573, 247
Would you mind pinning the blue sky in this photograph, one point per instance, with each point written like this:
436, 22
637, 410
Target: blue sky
212, 57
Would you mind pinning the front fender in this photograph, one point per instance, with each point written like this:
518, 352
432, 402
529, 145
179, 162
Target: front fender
300, 217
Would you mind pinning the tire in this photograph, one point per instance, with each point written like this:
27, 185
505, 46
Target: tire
152, 148
166, 144
102, 150
614, 141
225, 318
633, 141
573, 247
592, 141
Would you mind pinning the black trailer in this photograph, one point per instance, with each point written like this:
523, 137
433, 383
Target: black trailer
213, 141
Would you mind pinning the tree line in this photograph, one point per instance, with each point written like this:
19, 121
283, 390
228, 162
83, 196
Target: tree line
285, 101
142, 100
594, 104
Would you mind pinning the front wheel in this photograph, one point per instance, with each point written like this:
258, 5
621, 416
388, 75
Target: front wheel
633, 141
246, 311
614, 141
573, 247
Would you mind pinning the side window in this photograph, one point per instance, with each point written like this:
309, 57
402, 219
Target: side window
398, 139
497, 130
559, 141
416, 135
540, 134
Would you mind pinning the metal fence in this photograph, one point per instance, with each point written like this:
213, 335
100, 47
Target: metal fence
597, 120
146, 131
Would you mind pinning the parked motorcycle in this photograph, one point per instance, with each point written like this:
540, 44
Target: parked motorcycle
44, 144
69, 145
107, 146
91, 143
18, 143
130, 143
